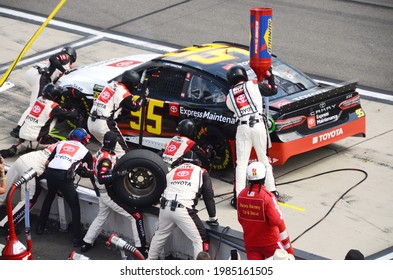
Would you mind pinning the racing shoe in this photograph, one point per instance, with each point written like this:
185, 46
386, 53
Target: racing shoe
86, 247
233, 203
10, 152
77, 242
41, 229
15, 132
144, 251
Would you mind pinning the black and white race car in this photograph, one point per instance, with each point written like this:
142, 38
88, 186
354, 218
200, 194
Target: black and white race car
191, 83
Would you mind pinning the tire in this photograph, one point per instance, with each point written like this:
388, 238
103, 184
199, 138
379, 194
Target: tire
143, 186
210, 135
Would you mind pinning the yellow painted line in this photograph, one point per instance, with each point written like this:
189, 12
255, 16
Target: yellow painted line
30, 42
292, 206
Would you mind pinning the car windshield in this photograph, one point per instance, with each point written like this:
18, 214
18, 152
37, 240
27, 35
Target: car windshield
288, 79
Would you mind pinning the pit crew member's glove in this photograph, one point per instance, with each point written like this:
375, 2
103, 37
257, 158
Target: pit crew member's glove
277, 195
213, 222
270, 88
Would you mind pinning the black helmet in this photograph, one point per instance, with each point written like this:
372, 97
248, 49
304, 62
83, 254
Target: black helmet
130, 79
71, 52
236, 74
187, 128
191, 157
110, 140
79, 134
52, 92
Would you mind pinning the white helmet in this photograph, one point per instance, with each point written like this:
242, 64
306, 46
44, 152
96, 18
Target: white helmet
256, 171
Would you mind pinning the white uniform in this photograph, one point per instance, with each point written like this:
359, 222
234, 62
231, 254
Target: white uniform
176, 147
245, 101
35, 160
107, 108
68, 153
106, 204
185, 184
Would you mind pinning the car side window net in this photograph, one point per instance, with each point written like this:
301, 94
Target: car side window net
166, 82
204, 91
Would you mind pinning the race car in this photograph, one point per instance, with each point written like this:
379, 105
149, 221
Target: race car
191, 83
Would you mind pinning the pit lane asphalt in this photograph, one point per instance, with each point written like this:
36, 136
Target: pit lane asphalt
362, 219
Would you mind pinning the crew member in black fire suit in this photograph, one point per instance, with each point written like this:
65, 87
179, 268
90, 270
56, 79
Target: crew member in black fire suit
186, 183
43, 73
104, 161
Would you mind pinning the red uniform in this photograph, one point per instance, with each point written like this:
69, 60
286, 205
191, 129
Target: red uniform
260, 215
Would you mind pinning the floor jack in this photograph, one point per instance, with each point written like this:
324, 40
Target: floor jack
14, 249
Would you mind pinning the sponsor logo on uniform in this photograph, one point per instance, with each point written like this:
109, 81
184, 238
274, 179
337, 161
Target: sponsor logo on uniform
68, 149
241, 100
106, 95
327, 136
182, 174
37, 109
124, 63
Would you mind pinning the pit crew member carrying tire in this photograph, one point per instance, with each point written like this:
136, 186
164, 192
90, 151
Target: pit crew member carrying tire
178, 206
184, 142
104, 161
43, 73
245, 101
115, 97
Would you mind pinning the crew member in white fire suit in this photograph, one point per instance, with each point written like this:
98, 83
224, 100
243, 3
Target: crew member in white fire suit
245, 100
104, 161
184, 142
37, 161
114, 98
43, 73
67, 159
186, 183
34, 133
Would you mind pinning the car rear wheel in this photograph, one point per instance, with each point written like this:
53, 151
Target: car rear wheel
222, 156
146, 180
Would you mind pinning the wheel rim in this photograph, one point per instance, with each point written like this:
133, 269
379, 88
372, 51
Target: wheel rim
140, 182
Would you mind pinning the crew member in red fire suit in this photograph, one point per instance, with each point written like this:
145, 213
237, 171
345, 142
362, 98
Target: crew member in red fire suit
245, 101
37, 161
186, 183
184, 142
67, 159
114, 98
104, 161
259, 214
43, 73
40, 121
